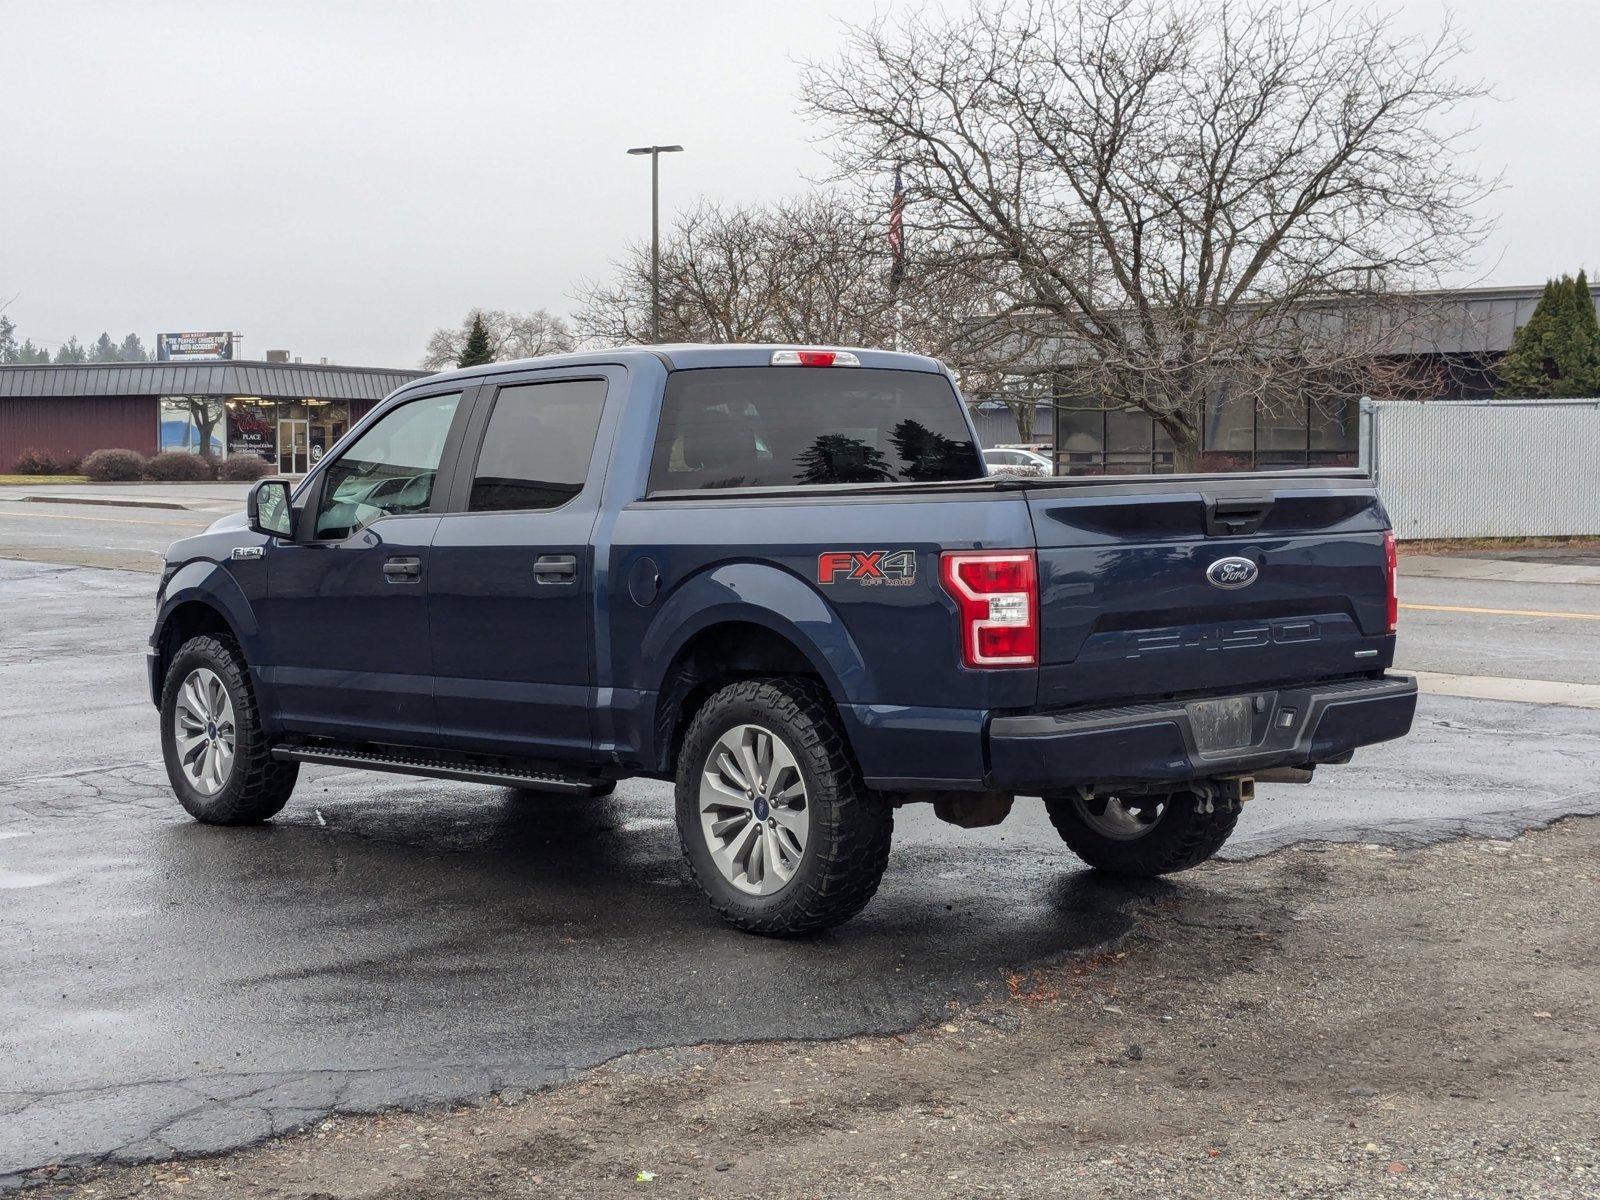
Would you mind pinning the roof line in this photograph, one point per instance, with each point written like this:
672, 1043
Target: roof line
219, 362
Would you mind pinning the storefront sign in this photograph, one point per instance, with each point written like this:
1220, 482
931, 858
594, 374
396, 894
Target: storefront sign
249, 432
193, 347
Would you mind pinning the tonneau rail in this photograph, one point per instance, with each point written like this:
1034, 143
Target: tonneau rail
1309, 476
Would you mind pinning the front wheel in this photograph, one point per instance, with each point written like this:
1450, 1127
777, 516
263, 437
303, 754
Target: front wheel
217, 757
1141, 835
777, 827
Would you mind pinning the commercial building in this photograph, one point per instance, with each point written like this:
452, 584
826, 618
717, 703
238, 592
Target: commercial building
286, 413
1448, 352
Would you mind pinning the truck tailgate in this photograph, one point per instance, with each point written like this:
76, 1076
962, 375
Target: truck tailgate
1133, 605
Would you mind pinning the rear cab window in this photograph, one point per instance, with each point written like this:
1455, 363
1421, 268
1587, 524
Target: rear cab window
729, 427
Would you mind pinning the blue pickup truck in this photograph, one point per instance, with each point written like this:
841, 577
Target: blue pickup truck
782, 578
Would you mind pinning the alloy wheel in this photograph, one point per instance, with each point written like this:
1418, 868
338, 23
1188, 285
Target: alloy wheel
204, 732
1122, 820
753, 809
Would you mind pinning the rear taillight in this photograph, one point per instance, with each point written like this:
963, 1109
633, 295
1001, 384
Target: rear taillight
1391, 566
998, 595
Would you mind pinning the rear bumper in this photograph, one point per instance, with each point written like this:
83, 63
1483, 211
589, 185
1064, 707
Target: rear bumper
1152, 743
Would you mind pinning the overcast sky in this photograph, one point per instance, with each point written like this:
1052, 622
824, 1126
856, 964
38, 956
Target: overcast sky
338, 179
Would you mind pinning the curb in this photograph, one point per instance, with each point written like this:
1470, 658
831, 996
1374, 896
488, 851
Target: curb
110, 503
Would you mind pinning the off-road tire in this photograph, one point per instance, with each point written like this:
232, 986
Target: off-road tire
1183, 837
260, 785
847, 846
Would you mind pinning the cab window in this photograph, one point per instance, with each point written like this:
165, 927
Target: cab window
727, 427
389, 470
537, 448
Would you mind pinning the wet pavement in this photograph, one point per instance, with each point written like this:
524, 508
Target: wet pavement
386, 941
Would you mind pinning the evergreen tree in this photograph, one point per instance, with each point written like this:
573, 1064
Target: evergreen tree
1557, 353
28, 354
836, 458
8, 340
132, 349
104, 350
476, 352
70, 351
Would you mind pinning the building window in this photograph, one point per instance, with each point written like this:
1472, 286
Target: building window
1110, 441
192, 425
253, 427
292, 435
1239, 435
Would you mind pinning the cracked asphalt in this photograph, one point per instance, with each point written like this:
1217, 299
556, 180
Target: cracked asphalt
175, 989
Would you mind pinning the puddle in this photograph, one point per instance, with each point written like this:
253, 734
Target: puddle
21, 879
640, 824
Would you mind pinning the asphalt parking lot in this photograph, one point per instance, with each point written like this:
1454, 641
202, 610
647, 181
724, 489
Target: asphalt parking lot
175, 988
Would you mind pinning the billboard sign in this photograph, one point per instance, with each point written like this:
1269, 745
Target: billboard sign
193, 347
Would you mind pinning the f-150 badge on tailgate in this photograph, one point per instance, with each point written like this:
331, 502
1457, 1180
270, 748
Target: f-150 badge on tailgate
896, 568
1232, 573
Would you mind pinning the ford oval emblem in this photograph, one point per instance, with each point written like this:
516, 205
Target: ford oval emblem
1232, 573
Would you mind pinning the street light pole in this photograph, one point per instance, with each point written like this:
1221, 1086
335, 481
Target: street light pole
655, 153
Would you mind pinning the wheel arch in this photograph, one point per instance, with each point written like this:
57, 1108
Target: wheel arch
714, 656
735, 621
200, 599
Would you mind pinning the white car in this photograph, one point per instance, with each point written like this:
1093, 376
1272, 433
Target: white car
1004, 459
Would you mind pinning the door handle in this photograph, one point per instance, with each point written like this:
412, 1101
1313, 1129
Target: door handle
555, 568
402, 570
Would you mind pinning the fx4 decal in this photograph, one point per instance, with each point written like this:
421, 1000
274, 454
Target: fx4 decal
891, 568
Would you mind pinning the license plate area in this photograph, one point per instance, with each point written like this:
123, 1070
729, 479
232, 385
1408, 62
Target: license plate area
1225, 724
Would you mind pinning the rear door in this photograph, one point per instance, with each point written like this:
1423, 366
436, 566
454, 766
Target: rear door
1156, 587
513, 573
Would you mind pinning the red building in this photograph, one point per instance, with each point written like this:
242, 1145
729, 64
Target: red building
285, 413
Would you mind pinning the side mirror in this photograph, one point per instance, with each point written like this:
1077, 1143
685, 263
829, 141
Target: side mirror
269, 510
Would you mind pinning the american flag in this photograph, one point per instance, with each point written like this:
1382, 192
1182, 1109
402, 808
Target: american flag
897, 233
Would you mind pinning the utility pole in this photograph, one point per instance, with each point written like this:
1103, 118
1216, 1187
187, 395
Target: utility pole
655, 153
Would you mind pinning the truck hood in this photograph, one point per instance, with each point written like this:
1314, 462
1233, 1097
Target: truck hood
238, 520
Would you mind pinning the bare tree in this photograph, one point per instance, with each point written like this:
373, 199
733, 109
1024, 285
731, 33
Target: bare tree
816, 270
718, 278
511, 335
1172, 197
747, 274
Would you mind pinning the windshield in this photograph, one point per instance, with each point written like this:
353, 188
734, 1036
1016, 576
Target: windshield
781, 426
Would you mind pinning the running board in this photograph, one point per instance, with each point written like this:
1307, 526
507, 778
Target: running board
402, 764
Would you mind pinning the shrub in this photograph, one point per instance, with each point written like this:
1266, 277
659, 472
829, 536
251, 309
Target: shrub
179, 466
244, 468
39, 462
114, 466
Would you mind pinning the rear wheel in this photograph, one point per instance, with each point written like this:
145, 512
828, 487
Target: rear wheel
1142, 835
218, 761
777, 826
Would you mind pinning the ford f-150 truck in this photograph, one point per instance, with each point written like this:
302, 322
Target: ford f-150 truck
781, 578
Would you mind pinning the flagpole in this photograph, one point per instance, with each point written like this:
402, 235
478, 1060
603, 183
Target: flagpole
897, 247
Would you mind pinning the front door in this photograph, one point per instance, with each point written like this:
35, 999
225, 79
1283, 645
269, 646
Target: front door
347, 600
512, 574
294, 447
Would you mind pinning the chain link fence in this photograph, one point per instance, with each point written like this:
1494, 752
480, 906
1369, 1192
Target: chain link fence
1493, 468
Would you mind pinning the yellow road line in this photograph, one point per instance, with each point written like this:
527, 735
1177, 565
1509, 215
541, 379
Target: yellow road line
32, 516
1504, 612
